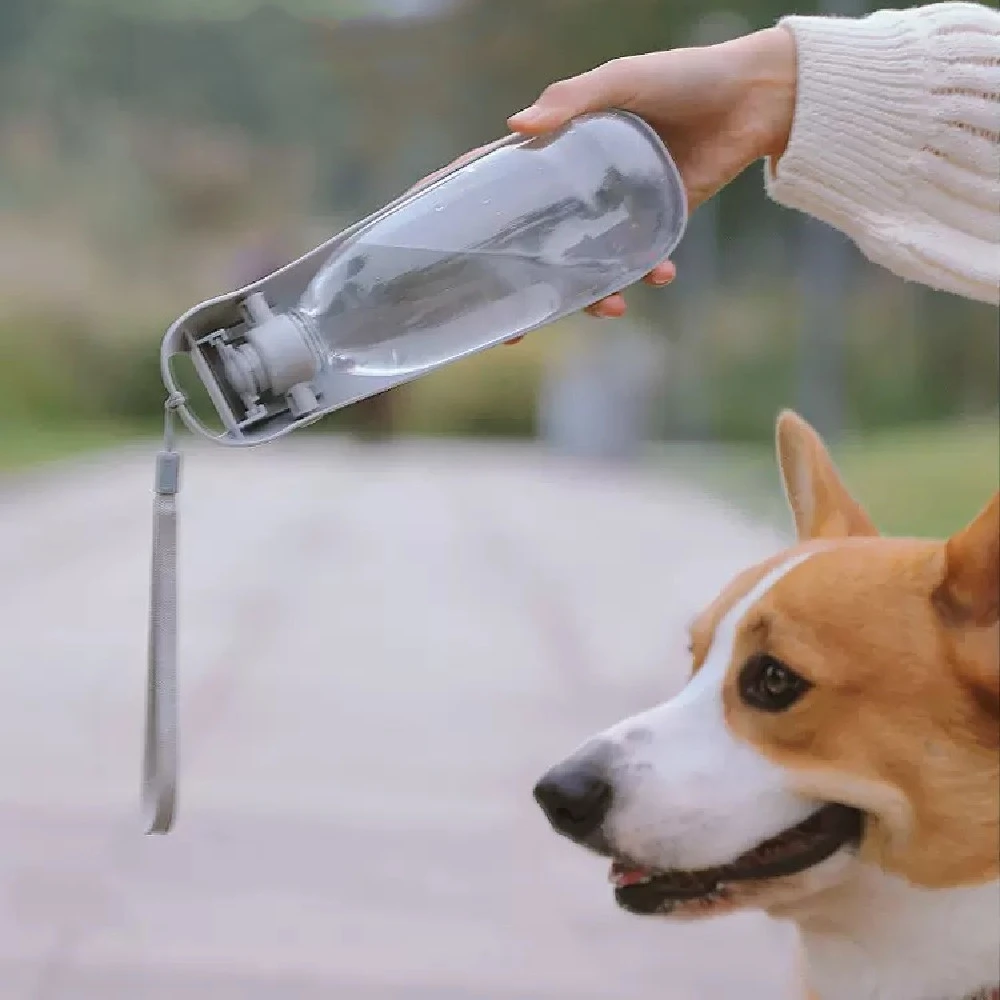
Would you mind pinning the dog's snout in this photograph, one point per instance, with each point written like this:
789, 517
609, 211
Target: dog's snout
576, 795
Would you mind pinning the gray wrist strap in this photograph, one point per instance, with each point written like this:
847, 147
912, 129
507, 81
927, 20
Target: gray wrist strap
159, 767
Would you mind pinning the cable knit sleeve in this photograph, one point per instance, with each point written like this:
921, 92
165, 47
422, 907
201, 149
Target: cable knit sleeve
896, 140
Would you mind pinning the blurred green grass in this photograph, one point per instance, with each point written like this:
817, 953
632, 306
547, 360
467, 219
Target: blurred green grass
920, 481
24, 445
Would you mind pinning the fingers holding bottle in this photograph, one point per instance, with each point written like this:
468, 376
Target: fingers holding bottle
614, 306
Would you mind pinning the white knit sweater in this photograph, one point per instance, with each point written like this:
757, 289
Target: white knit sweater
896, 140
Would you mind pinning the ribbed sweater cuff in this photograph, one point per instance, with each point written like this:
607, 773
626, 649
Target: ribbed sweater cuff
847, 161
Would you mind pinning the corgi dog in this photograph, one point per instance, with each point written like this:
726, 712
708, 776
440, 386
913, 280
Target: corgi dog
834, 758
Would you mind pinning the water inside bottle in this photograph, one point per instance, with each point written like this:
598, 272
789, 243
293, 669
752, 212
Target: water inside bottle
397, 310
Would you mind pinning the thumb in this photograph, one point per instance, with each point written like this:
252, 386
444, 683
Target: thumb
599, 89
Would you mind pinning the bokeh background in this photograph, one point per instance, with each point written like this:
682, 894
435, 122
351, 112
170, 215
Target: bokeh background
489, 563
154, 153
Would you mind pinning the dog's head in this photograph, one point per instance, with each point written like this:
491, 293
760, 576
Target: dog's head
844, 703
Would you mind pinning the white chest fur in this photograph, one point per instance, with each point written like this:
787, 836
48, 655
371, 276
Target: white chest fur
880, 938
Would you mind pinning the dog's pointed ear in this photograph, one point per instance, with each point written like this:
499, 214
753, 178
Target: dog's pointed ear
820, 503
968, 597
969, 593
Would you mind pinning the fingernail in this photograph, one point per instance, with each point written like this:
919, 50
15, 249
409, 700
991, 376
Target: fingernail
525, 117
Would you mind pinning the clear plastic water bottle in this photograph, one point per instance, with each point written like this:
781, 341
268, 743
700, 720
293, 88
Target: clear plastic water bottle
526, 234
534, 230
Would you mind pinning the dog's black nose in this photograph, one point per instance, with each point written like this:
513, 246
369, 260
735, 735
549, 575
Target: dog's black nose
576, 795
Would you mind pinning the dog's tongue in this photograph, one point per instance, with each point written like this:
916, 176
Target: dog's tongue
622, 875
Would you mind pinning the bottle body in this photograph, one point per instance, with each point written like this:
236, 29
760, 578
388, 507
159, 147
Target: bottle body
530, 232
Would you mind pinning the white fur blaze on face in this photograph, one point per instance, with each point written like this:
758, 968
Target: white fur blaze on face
688, 793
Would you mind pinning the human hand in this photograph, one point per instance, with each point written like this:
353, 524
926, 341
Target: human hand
718, 108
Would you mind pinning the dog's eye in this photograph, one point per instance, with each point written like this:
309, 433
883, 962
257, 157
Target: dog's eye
767, 684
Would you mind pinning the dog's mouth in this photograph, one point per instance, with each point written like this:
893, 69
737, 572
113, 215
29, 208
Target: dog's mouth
648, 891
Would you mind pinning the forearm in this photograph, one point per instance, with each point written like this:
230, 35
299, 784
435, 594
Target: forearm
896, 140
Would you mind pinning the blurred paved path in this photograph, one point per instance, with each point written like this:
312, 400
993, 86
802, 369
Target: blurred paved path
359, 747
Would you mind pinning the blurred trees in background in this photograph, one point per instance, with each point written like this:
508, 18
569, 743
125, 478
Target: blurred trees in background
145, 145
